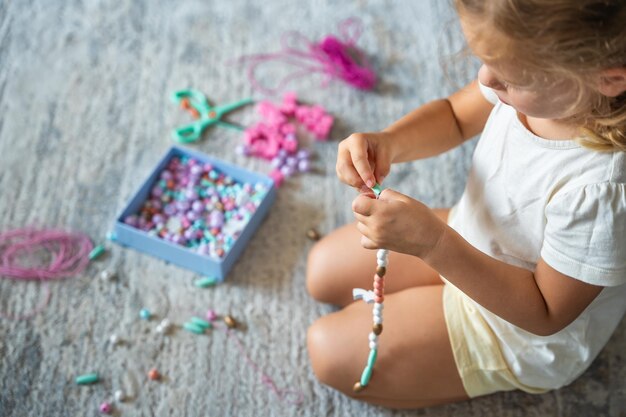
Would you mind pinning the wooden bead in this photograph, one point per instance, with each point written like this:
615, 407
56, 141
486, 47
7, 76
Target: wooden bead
380, 271
377, 329
358, 387
230, 322
313, 234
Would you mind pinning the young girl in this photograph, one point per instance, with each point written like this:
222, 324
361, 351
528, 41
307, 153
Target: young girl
522, 282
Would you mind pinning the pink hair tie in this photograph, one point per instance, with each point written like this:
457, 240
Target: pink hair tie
333, 56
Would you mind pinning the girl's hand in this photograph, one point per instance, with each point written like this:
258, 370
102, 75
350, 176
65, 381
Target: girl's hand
364, 159
398, 223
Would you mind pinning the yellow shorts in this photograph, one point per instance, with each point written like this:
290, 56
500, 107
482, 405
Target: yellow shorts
476, 349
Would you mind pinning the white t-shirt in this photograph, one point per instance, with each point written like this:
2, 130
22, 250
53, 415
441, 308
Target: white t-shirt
528, 197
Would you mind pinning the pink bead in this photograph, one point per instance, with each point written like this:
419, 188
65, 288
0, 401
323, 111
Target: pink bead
106, 408
377, 278
379, 299
277, 176
378, 285
211, 315
378, 292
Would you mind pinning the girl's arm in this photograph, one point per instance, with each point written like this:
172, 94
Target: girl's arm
439, 125
541, 302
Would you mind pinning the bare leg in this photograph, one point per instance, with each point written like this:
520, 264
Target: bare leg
415, 366
338, 263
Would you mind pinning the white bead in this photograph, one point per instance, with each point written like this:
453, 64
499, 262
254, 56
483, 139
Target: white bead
378, 307
373, 337
119, 395
378, 320
382, 262
114, 339
107, 275
373, 345
164, 326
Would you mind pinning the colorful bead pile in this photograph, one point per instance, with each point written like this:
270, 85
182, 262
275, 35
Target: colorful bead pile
377, 296
275, 138
196, 206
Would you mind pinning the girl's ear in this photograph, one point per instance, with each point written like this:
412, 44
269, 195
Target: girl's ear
612, 82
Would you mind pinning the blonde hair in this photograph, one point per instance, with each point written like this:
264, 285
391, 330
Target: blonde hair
563, 39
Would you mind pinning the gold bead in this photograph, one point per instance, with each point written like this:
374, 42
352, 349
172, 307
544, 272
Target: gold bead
377, 329
313, 234
358, 387
230, 322
380, 271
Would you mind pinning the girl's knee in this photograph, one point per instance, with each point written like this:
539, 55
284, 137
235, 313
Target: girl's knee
317, 273
323, 354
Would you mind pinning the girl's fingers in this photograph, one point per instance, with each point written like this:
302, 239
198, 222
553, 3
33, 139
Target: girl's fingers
361, 218
362, 164
383, 165
346, 172
367, 243
363, 205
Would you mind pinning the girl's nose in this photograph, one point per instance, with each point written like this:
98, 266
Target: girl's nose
486, 78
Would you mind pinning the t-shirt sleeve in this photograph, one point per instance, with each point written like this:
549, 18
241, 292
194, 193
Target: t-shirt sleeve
585, 234
488, 93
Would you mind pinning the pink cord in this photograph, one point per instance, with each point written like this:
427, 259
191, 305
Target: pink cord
294, 397
332, 56
69, 255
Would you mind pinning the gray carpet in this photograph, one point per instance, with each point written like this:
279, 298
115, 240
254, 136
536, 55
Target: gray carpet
85, 115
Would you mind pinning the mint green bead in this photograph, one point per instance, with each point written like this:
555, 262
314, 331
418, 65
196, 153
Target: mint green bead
96, 252
366, 375
377, 189
202, 323
193, 328
372, 358
205, 282
87, 379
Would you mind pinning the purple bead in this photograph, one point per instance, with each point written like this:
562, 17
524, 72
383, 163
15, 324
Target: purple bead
304, 165
169, 209
131, 220
303, 154
191, 194
157, 191
183, 205
216, 219
156, 203
287, 171
192, 215
196, 170
166, 175
291, 161
277, 162
197, 206
158, 218
178, 239
189, 234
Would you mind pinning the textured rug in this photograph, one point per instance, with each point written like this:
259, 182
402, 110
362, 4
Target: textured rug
84, 117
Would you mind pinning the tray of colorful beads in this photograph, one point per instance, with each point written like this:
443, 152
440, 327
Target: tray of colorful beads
196, 211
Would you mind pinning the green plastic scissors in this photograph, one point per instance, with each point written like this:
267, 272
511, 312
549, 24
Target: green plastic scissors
207, 115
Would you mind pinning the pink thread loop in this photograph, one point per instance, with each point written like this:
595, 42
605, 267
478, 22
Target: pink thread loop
68, 253
333, 56
68, 256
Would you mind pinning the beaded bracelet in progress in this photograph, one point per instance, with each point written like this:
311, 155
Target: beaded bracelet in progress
377, 296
